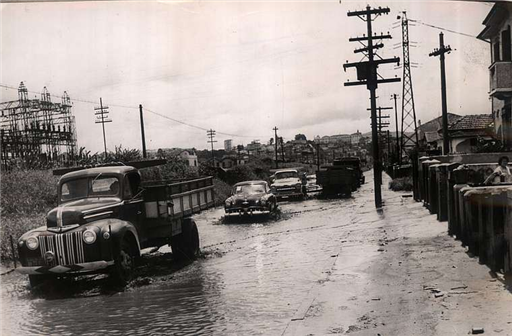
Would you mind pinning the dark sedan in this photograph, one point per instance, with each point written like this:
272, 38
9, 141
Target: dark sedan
250, 197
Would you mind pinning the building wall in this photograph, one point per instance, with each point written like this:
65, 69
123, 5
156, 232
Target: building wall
501, 108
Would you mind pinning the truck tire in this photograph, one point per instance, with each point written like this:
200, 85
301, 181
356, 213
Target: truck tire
185, 246
124, 263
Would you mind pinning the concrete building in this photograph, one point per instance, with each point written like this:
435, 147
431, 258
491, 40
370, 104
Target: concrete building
228, 145
497, 31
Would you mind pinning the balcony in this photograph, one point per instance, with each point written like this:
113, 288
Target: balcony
501, 80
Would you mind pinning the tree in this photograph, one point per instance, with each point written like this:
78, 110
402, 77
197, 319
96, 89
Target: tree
300, 136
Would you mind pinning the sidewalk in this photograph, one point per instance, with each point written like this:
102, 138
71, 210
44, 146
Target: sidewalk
399, 273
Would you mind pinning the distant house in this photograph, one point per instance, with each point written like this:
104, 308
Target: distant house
428, 136
465, 131
187, 155
497, 31
355, 138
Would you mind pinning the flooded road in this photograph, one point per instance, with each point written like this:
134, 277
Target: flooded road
321, 267
253, 278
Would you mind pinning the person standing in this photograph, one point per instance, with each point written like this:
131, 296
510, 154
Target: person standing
501, 173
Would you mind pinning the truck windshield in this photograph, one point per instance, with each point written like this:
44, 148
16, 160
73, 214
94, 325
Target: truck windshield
285, 175
99, 186
250, 189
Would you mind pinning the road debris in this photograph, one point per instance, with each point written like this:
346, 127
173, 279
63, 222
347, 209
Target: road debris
475, 331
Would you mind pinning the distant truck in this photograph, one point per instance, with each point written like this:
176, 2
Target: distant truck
106, 216
342, 177
288, 183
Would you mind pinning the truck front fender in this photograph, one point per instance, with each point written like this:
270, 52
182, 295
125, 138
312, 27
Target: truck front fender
118, 230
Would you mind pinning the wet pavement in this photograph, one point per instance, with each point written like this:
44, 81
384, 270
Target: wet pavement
319, 267
253, 276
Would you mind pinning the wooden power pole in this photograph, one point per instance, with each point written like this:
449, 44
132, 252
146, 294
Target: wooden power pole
275, 143
144, 153
440, 52
367, 75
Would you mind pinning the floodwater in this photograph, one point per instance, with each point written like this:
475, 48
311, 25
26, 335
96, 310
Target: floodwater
254, 276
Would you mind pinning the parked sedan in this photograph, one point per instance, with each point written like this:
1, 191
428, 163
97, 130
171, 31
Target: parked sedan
250, 197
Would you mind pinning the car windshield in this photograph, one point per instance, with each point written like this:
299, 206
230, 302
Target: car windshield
250, 189
285, 175
99, 186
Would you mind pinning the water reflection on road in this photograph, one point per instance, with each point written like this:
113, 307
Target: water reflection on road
253, 278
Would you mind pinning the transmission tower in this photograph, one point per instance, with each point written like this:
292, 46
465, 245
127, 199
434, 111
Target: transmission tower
409, 129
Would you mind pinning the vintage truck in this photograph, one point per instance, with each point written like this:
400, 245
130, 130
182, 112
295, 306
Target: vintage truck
288, 183
342, 177
106, 216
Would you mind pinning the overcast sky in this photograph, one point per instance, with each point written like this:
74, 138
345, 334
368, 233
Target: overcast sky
237, 67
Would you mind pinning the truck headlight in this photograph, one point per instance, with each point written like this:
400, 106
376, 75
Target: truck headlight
32, 243
89, 236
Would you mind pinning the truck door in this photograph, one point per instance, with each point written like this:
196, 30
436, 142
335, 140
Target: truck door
133, 208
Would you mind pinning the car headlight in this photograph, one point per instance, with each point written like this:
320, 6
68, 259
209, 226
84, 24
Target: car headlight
263, 202
298, 185
228, 203
32, 243
89, 236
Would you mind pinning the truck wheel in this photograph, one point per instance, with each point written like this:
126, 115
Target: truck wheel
124, 264
185, 246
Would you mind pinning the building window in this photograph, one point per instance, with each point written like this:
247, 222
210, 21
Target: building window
505, 38
496, 51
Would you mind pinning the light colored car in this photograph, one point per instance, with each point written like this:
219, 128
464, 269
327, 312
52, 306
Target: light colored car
311, 185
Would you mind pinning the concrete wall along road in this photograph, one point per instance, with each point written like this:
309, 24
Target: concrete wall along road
480, 216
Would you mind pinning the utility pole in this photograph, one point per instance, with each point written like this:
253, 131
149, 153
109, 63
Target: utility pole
317, 156
389, 145
211, 134
275, 144
282, 148
398, 153
102, 118
367, 75
380, 126
440, 52
144, 154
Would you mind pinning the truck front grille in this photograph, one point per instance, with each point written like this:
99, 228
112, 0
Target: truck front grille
68, 248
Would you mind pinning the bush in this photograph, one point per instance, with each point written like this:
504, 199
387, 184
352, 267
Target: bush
27, 192
401, 184
222, 191
26, 196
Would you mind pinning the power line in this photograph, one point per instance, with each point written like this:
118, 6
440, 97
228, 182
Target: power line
136, 108
441, 28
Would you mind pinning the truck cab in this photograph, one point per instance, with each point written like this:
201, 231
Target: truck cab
288, 183
105, 216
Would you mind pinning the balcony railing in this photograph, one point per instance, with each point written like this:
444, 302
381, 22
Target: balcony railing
501, 79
